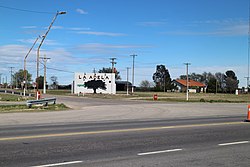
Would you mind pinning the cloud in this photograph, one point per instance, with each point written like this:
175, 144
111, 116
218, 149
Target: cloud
227, 27
55, 27
98, 33
81, 11
29, 27
12, 55
152, 23
27, 41
79, 28
110, 46
109, 49
46, 41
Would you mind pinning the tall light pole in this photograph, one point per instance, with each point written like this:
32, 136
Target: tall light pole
44, 76
187, 64
43, 38
127, 78
248, 59
11, 76
133, 72
24, 68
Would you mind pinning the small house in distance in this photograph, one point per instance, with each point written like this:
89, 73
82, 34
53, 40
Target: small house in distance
122, 85
193, 86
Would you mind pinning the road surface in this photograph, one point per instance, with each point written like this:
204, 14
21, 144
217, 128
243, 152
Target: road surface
186, 142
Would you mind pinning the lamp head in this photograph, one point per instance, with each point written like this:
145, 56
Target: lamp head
62, 12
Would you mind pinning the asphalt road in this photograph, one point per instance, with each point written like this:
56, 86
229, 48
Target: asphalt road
223, 141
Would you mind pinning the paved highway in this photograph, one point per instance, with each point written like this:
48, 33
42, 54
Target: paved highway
223, 141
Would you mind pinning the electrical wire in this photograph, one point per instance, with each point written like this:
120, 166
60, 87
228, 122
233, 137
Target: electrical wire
24, 10
55, 69
60, 70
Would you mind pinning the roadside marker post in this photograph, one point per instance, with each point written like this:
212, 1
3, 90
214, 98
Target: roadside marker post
38, 95
248, 114
155, 97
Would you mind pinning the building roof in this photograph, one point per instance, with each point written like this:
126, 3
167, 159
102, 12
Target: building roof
190, 83
123, 82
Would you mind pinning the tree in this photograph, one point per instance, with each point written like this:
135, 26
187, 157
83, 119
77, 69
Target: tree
221, 86
54, 82
162, 78
39, 81
18, 78
109, 70
211, 85
194, 77
231, 81
95, 84
145, 85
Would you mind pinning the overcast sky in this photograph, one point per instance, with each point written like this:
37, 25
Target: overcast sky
212, 35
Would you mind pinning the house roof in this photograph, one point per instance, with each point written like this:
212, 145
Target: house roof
190, 83
123, 82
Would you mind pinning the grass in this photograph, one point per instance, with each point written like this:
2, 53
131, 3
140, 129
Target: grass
59, 92
196, 97
178, 97
24, 108
10, 97
165, 97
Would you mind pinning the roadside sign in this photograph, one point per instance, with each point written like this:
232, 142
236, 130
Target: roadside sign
34, 84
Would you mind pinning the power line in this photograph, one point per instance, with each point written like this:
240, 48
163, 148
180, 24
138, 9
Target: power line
60, 70
24, 10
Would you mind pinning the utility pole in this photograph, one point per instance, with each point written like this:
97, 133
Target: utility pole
113, 64
11, 76
6, 79
127, 78
248, 86
187, 64
133, 72
248, 59
44, 76
0, 78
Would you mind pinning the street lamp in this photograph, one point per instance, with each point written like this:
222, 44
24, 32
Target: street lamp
43, 38
24, 68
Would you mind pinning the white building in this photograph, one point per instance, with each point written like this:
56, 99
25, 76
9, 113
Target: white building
91, 82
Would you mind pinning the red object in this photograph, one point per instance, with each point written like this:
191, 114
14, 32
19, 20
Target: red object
248, 114
38, 95
155, 97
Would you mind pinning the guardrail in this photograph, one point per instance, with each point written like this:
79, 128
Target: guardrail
17, 93
45, 101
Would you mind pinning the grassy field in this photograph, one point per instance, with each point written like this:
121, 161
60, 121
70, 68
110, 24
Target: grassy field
10, 97
179, 97
166, 97
24, 108
195, 97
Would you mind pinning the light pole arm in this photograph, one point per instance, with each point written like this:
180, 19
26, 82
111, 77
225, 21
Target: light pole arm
43, 38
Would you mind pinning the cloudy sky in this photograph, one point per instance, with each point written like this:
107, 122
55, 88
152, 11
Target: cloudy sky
212, 35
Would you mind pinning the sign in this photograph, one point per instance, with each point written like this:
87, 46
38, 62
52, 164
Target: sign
95, 83
34, 84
